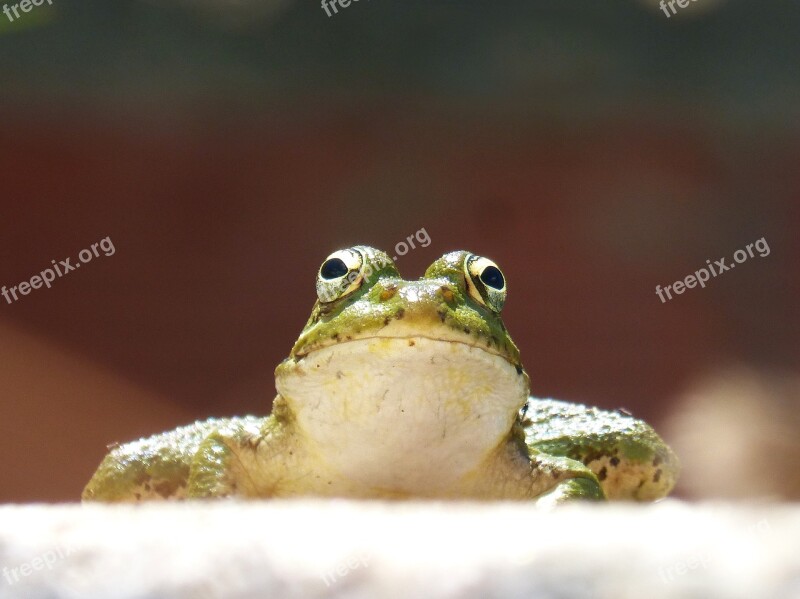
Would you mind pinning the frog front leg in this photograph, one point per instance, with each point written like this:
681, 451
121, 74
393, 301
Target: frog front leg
224, 466
159, 467
577, 482
628, 457
570, 490
248, 463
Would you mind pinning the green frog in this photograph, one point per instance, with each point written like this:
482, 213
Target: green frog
400, 389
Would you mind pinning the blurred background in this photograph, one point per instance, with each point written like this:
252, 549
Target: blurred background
593, 149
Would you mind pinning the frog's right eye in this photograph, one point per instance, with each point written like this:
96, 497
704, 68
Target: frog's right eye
340, 275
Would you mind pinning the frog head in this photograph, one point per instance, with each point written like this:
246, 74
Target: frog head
387, 365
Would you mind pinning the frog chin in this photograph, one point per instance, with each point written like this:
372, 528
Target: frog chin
407, 415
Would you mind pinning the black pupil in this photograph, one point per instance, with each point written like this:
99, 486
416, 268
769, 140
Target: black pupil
333, 269
492, 277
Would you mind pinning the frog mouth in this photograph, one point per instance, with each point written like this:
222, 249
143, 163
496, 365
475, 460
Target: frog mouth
449, 338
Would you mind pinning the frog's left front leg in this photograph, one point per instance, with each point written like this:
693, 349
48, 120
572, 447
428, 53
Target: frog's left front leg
577, 481
570, 490
630, 460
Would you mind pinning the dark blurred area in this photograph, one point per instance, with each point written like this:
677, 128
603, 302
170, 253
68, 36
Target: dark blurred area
594, 150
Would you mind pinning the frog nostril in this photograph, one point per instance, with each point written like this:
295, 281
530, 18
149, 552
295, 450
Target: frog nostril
388, 293
447, 293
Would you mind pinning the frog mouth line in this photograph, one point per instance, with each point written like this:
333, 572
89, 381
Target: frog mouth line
410, 339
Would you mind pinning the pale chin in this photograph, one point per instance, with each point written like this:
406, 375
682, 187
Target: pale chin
391, 411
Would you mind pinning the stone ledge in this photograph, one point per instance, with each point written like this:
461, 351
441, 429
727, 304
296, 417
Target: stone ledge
292, 549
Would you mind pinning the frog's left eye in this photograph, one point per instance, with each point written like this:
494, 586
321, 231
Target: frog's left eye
485, 282
340, 275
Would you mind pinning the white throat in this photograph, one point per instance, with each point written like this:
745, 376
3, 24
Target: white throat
403, 415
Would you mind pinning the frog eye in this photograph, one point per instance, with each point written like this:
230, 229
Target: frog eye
340, 275
485, 282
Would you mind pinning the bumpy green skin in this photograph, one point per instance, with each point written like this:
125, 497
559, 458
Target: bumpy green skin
159, 467
570, 451
627, 455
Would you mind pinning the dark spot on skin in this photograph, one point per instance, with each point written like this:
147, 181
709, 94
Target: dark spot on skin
138, 496
411, 343
641, 484
349, 338
657, 476
614, 461
466, 330
400, 313
147, 486
593, 455
336, 336
554, 474
656, 460
519, 371
325, 309
496, 342
388, 293
339, 374
442, 315
602, 474
166, 488
386, 321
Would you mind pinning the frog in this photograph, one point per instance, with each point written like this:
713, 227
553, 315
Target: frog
400, 389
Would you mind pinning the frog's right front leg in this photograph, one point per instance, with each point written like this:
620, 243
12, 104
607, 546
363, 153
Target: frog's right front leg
159, 467
243, 462
217, 469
